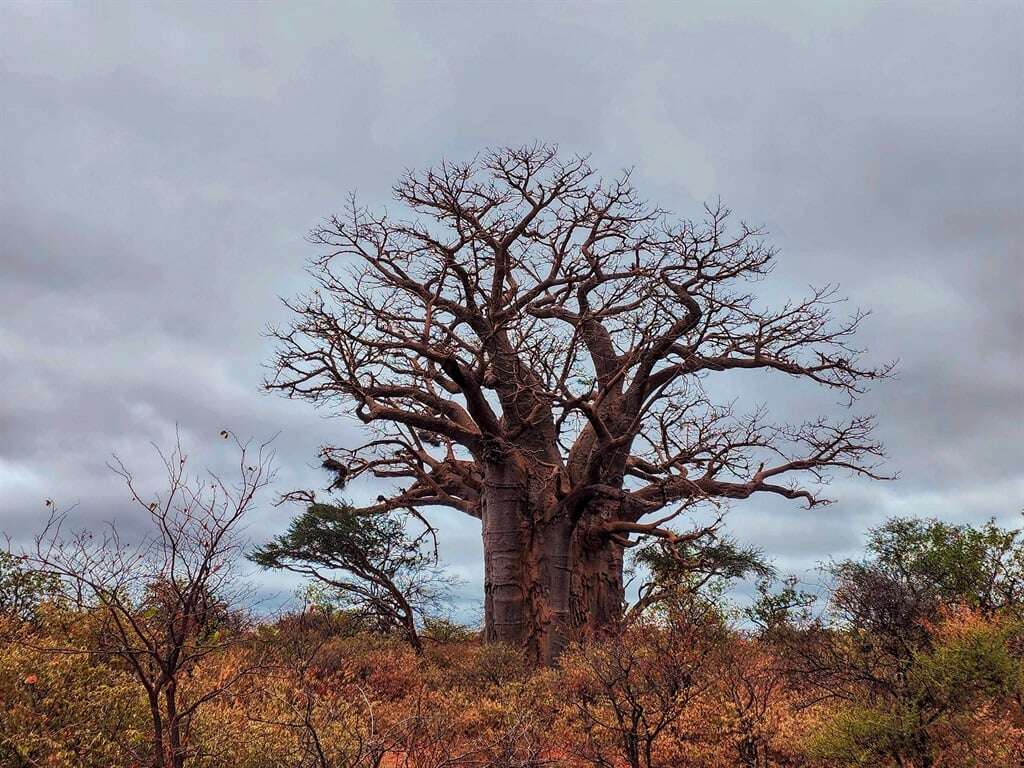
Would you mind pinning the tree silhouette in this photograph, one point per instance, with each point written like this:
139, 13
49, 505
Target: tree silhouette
532, 346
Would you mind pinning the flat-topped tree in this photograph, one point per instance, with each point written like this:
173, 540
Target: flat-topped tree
531, 344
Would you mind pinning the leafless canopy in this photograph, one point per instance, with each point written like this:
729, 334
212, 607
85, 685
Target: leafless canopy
167, 598
529, 305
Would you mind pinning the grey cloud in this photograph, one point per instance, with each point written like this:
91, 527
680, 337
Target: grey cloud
162, 163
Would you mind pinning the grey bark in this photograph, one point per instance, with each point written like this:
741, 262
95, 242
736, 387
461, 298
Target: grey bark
547, 579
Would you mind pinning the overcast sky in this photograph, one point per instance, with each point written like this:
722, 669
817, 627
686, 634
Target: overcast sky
161, 164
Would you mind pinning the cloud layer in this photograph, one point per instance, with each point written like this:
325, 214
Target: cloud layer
162, 164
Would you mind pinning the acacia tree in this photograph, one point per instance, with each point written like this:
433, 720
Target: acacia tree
531, 346
369, 563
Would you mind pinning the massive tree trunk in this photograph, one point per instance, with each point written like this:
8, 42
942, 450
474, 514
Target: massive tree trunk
547, 580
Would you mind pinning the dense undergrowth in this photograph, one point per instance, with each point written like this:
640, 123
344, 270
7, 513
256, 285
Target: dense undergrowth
873, 682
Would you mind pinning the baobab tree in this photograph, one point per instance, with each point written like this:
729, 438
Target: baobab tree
532, 344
